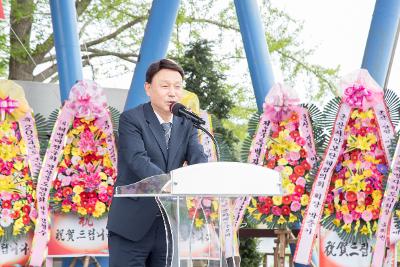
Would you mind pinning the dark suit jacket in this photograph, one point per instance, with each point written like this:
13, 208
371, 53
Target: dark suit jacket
142, 152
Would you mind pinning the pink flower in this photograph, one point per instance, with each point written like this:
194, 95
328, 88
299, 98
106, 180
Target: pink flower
6, 196
87, 143
33, 213
279, 168
295, 206
301, 181
366, 215
300, 141
276, 211
356, 215
329, 198
103, 197
347, 218
294, 155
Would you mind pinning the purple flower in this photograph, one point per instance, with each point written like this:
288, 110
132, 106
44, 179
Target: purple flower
382, 168
338, 166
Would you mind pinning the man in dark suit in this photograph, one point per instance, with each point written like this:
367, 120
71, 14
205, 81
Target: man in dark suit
151, 142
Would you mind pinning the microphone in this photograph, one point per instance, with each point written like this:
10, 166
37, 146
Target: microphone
180, 110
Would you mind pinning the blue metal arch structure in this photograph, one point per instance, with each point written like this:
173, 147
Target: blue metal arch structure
154, 46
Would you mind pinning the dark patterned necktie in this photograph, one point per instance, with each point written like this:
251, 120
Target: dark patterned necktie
167, 131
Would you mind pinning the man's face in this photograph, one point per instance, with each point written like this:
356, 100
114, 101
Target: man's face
164, 89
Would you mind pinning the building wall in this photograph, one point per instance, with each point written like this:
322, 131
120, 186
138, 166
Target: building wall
44, 98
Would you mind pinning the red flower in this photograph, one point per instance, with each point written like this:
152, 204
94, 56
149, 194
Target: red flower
351, 196
368, 200
265, 209
110, 190
275, 135
57, 184
285, 210
369, 189
26, 220
268, 201
89, 209
299, 170
294, 117
286, 200
26, 209
67, 191
306, 165
271, 164
15, 215
299, 189
281, 128
303, 153
375, 214
293, 177
354, 156
294, 134
6, 204
352, 205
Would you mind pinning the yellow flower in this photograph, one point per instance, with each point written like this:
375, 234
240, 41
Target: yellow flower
78, 189
357, 226
281, 220
277, 200
7, 152
67, 149
251, 209
18, 165
347, 227
269, 218
345, 209
1, 231
82, 211
364, 230
377, 194
327, 212
76, 198
107, 161
304, 200
354, 114
198, 223
76, 152
360, 208
103, 176
375, 226
100, 206
18, 205
292, 218
282, 161
65, 208
7, 184
336, 222
338, 183
290, 188
5, 126
214, 204
97, 214
213, 216
93, 128
189, 202
287, 171
398, 213
22, 146
257, 216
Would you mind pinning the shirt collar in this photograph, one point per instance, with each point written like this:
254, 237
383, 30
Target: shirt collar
161, 119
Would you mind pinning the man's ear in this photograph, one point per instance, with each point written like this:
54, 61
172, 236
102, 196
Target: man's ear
147, 88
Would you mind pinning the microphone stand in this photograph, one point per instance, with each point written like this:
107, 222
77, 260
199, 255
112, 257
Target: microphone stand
198, 126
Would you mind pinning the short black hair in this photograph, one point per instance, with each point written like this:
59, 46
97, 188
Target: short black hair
162, 64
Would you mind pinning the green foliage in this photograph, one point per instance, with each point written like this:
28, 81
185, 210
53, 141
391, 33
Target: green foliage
206, 79
43, 134
250, 257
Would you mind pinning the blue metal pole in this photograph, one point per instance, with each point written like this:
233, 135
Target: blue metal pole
154, 46
256, 48
68, 53
381, 39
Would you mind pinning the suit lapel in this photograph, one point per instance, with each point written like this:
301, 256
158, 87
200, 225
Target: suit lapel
156, 129
175, 142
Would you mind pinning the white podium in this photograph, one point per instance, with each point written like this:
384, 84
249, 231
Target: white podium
199, 210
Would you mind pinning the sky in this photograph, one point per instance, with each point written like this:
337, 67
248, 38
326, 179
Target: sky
338, 30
